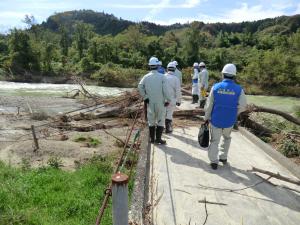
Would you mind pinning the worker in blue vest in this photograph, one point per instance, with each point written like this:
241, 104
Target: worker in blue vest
195, 85
161, 69
226, 100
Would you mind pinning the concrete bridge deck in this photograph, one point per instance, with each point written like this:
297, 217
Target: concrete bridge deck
180, 177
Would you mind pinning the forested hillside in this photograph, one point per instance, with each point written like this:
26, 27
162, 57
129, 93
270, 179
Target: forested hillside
114, 52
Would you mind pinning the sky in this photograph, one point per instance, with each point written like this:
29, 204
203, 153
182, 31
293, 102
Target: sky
164, 12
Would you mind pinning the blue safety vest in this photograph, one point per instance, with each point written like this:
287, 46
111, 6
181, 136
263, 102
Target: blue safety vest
161, 70
226, 98
195, 81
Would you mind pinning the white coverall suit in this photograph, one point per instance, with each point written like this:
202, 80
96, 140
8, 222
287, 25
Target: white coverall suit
195, 85
153, 86
203, 83
178, 74
174, 93
216, 133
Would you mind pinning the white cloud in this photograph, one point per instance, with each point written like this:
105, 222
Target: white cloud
244, 13
297, 11
186, 4
157, 9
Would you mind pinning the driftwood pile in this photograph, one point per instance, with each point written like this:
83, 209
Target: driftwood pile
128, 104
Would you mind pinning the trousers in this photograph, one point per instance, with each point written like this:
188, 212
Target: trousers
213, 149
170, 110
156, 114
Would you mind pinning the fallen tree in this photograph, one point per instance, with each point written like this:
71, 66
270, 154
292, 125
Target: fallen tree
255, 108
276, 175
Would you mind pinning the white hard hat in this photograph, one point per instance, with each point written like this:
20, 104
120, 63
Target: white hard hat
153, 61
171, 65
202, 64
195, 64
229, 69
160, 63
175, 63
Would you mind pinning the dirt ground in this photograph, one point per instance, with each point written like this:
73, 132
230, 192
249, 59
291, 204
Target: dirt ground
16, 144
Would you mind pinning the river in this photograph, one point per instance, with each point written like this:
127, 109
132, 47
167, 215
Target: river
11, 94
51, 90
45, 97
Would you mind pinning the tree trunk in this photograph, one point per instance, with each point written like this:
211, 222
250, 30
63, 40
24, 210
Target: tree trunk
255, 108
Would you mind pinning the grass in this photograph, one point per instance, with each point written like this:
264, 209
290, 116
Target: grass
51, 196
91, 141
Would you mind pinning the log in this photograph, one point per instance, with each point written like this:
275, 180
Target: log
276, 175
108, 112
255, 108
186, 92
192, 112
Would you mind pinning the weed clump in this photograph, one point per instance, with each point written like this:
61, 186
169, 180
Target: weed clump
89, 141
55, 162
290, 148
39, 116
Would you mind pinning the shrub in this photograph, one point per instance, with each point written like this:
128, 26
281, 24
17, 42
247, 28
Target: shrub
115, 75
91, 141
290, 148
55, 162
39, 116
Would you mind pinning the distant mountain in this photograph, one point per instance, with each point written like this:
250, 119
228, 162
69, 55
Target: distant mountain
103, 23
109, 24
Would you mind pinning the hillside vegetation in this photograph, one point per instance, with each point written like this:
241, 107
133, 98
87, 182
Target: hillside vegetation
114, 52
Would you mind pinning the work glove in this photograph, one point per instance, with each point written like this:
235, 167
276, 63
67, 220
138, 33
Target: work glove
146, 101
178, 104
167, 104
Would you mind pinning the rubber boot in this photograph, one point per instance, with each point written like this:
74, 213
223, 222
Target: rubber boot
152, 134
202, 104
194, 99
168, 126
159, 131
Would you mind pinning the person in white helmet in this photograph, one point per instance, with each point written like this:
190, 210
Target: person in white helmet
226, 100
203, 83
154, 90
178, 73
195, 85
175, 94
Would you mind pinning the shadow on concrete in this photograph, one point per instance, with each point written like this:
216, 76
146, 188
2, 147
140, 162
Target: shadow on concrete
234, 175
189, 141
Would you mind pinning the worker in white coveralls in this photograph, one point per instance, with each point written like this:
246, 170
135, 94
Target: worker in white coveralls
175, 94
178, 73
203, 83
153, 88
195, 85
226, 100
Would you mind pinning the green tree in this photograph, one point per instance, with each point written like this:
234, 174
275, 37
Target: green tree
20, 51
83, 33
222, 40
191, 48
48, 55
64, 41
